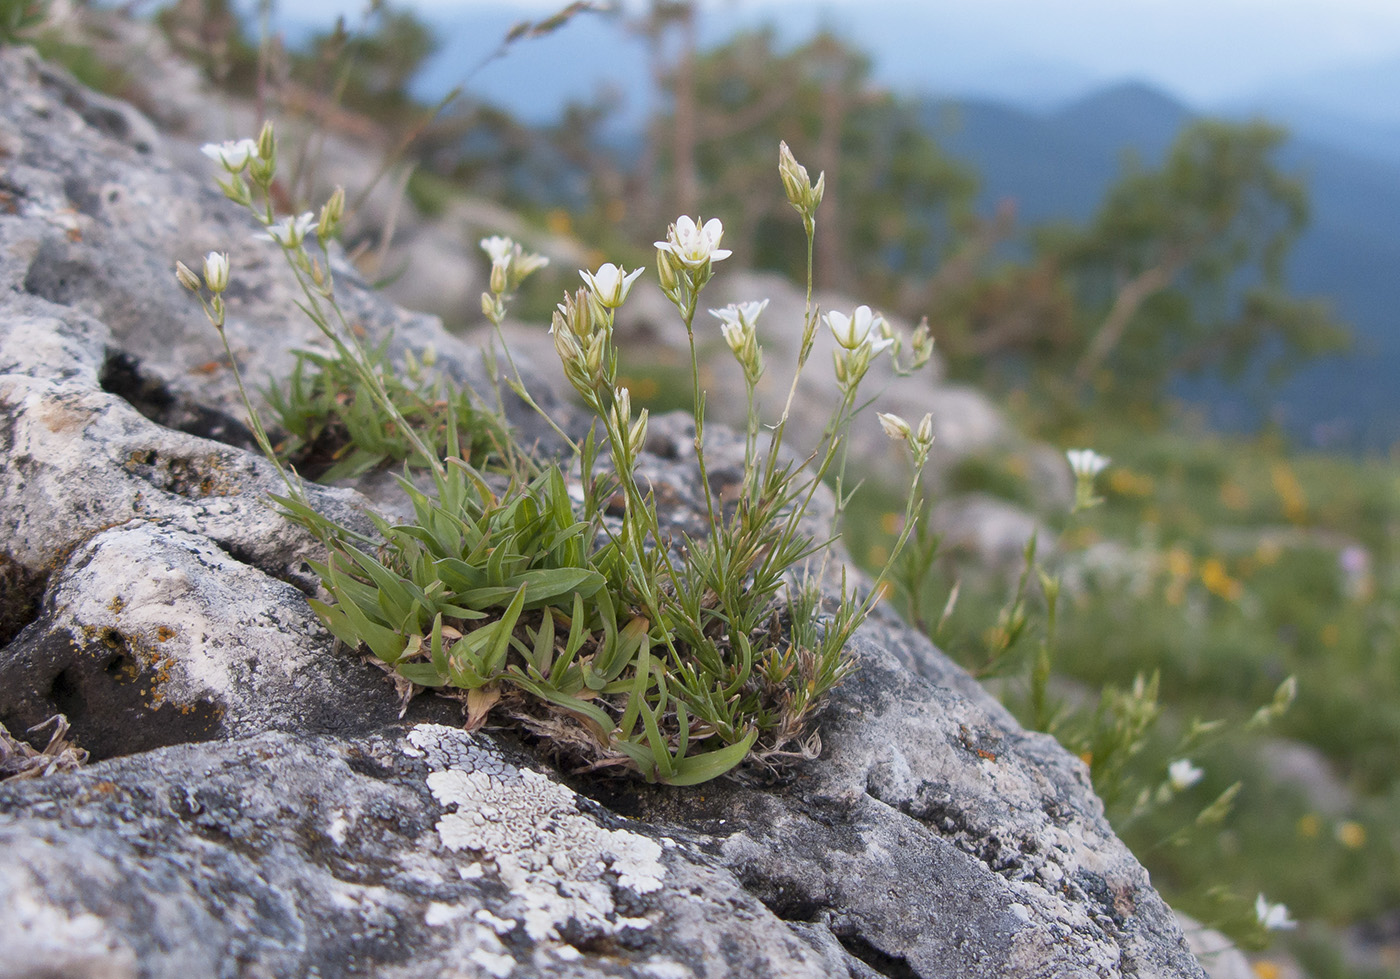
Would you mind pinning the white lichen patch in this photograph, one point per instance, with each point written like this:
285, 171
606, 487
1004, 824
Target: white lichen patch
499, 966
558, 862
337, 827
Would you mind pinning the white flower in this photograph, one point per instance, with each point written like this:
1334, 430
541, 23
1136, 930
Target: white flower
695, 245
1273, 916
1182, 774
895, 427
216, 272
743, 315
290, 231
233, 155
497, 248
610, 284
1086, 463
522, 263
858, 330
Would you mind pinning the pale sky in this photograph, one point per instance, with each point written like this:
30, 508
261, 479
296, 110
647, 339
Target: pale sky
1205, 51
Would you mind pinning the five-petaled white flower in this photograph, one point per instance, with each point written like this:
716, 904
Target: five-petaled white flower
290, 231
695, 245
216, 272
610, 284
233, 155
859, 329
1182, 774
1273, 916
1086, 463
737, 320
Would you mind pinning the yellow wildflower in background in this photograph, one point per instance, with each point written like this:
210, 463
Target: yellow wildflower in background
1290, 492
1218, 581
1351, 834
1125, 482
1234, 496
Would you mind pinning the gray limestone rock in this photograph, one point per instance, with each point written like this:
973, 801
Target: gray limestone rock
256, 805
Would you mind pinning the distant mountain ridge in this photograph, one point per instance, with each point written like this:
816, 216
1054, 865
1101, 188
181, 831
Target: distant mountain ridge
1056, 165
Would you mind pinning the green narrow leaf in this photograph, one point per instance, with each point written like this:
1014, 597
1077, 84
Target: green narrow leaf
544, 644
423, 674
582, 707
661, 754
711, 764
500, 644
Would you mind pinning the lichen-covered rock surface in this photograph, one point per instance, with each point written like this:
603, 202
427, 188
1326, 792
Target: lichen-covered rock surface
255, 805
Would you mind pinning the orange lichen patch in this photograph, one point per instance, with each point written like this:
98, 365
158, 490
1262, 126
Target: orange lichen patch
116, 605
105, 788
160, 667
165, 634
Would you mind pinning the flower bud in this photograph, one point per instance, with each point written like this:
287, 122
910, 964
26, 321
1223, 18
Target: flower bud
488, 306
267, 142
797, 184
924, 436
593, 356
637, 437
331, 213
667, 271
567, 347
500, 276
922, 344
186, 277
895, 427
622, 406
216, 272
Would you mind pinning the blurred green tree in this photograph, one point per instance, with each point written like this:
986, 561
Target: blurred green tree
1181, 272
894, 201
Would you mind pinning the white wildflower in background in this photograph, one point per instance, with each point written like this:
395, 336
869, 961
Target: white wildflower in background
1086, 463
744, 315
497, 248
1273, 916
859, 329
232, 155
290, 231
739, 325
610, 284
1182, 774
695, 245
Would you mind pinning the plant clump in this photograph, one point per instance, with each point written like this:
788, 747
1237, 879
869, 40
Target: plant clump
550, 591
333, 429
